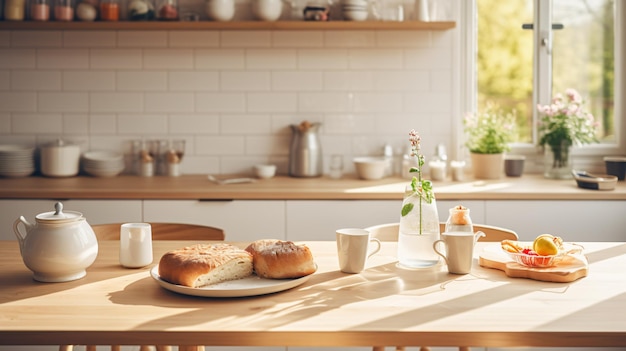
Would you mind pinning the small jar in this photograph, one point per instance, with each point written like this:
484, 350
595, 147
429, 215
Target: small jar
14, 10
109, 10
459, 220
39, 10
64, 10
167, 10
140, 10
87, 10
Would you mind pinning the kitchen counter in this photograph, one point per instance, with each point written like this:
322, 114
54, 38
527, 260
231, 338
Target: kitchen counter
527, 187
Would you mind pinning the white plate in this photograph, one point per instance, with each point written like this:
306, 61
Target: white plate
249, 286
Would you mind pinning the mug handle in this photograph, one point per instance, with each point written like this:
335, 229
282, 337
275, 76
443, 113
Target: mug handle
377, 247
438, 252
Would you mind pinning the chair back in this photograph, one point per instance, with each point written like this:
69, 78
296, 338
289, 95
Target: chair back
164, 231
390, 231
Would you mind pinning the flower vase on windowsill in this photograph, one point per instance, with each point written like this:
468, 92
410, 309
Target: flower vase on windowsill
419, 221
557, 161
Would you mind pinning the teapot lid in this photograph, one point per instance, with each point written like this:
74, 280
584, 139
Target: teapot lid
58, 216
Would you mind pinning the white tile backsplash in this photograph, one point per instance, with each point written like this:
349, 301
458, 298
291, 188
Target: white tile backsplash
230, 94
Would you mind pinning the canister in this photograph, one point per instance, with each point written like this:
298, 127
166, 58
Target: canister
60, 159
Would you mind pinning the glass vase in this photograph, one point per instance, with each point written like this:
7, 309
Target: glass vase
419, 229
558, 161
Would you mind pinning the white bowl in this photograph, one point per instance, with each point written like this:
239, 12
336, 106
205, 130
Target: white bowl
220, 10
267, 10
370, 168
355, 15
265, 171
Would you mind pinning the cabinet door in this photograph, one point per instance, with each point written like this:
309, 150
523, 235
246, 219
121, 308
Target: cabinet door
572, 220
241, 220
96, 211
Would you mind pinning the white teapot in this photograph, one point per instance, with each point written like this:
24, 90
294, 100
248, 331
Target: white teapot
59, 246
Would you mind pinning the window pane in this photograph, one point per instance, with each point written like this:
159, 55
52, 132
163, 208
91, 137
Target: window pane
505, 59
583, 56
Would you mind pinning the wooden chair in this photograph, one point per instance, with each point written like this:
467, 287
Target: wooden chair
390, 232
160, 231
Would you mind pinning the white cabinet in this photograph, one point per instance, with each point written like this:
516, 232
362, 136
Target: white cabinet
242, 220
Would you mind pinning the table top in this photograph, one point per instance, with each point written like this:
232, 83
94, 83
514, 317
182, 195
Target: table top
383, 305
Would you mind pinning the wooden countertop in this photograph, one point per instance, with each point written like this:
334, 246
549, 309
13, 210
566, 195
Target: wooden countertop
198, 187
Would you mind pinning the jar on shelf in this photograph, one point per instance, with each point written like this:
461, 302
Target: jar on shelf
39, 10
64, 10
141, 10
167, 10
87, 10
109, 10
14, 10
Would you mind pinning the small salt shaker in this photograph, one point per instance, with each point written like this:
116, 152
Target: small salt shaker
135, 245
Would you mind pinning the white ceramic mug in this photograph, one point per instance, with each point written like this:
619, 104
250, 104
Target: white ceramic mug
135, 245
459, 250
353, 249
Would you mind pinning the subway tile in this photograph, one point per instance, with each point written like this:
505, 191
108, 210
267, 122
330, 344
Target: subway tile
402, 80
18, 58
89, 39
5, 125
194, 124
141, 80
348, 124
36, 38
5, 80
441, 81
245, 124
220, 145
115, 59
116, 102
402, 39
193, 39
264, 145
142, 124
297, 39
35, 80
168, 58
428, 58
5, 38
325, 102
63, 58
272, 102
427, 102
89, 80
102, 124
349, 38
37, 123
244, 81
245, 38
322, 59
18, 102
219, 59
297, 80
200, 165
169, 102
63, 102
378, 102
271, 59
220, 102
75, 123
141, 39
193, 81
349, 81
375, 59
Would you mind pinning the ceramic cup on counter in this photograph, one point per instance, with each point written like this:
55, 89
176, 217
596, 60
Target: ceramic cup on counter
514, 165
353, 248
135, 245
220, 10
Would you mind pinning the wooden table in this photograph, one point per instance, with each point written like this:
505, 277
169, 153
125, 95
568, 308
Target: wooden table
384, 305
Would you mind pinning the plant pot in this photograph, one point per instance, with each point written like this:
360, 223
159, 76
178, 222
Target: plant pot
487, 166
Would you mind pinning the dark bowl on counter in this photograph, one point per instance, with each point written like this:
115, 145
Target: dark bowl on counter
595, 181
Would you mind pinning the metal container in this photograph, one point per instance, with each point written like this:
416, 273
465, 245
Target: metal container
305, 153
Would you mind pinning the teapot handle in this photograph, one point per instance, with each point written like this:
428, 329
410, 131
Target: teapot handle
21, 237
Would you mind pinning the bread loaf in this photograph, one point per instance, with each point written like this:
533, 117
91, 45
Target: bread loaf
279, 259
201, 265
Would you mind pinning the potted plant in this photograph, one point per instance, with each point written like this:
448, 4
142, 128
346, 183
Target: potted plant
488, 136
563, 124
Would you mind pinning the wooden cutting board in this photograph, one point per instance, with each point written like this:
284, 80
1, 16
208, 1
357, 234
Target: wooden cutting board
571, 269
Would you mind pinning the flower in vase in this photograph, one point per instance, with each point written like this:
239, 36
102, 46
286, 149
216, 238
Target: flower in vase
420, 187
564, 123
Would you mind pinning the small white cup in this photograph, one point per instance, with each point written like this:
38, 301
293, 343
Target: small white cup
220, 10
135, 245
459, 252
353, 249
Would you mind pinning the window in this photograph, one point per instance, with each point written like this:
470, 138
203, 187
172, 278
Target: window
528, 50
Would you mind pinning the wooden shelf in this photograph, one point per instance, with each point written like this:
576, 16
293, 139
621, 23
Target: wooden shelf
239, 25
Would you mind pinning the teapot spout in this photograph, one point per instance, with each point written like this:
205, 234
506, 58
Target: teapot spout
21, 237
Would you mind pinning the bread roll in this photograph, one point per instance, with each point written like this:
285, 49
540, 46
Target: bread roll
279, 259
202, 265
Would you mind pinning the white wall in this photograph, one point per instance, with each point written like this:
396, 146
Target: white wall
231, 94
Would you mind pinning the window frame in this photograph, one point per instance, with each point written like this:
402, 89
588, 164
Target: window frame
588, 157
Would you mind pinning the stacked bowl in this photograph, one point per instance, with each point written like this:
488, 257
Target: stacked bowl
103, 163
16, 161
354, 10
